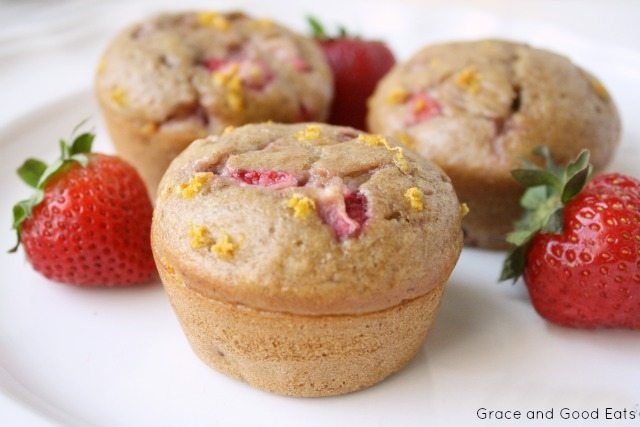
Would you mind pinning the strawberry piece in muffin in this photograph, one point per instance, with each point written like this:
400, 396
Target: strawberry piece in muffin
422, 107
275, 179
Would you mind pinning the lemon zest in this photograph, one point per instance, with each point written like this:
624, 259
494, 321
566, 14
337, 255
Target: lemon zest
397, 96
599, 88
469, 79
189, 189
309, 133
415, 197
398, 154
225, 248
149, 129
119, 96
464, 210
199, 236
230, 80
406, 140
213, 20
301, 205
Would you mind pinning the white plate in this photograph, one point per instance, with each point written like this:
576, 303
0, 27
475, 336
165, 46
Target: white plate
117, 357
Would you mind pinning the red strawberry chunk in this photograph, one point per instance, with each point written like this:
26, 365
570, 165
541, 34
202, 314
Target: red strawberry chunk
422, 107
300, 64
272, 179
356, 207
346, 216
213, 64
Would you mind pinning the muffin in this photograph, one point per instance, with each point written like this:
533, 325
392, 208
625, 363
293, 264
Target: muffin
164, 82
306, 260
478, 108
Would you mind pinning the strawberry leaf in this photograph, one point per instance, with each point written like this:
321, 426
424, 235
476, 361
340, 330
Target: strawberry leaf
318, 32
552, 167
580, 163
575, 184
533, 197
548, 191
82, 143
31, 171
533, 178
514, 264
317, 29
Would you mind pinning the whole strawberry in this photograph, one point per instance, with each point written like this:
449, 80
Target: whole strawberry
357, 66
88, 222
579, 248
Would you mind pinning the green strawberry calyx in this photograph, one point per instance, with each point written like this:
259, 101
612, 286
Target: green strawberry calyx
36, 174
548, 190
318, 31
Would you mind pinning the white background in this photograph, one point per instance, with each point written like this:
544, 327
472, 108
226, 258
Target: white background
117, 357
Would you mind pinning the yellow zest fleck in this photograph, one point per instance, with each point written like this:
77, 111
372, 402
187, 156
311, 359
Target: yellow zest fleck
235, 102
419, 105
263, 23
397, 96
228, 130
399, 160
301, 205
167, 266
213, 20
101, 66
222, 77
199, 236
398, 157
269, 123
415, 197
224, 247
469, 79
230, 80
149, 129
119, 96
373, 140
309, 133
406, 140
599, 88
464, 210
189, 189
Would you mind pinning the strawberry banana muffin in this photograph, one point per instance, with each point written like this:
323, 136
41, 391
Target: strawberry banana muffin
478, 108
306, 260
167, 81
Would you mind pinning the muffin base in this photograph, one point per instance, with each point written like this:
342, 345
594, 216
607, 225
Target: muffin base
296, 355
